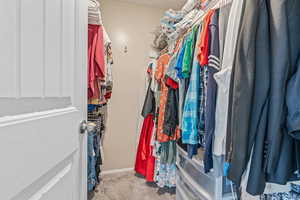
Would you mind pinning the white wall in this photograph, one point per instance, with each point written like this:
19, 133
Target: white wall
128, 25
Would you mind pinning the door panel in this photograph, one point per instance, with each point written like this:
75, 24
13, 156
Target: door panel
43, 70
29, 151
31, 47
28, 105
62, 174
8, 56
58, 187
53, 46
68, 51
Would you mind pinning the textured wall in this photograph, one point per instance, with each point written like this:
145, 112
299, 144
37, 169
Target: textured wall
128, 25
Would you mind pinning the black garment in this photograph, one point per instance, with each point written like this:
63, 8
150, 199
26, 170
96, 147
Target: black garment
285, 48
259, 111
257, 177
229, 136
171, 119
285, 32
210, 109
268, 47
149, 103
242, 90
293, 104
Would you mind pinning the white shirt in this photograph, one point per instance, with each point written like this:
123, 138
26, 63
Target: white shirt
108, 63
224, 75
94, 14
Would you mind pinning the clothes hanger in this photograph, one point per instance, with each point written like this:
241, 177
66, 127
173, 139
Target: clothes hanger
222, 3
94, 14
214, 4
165, 50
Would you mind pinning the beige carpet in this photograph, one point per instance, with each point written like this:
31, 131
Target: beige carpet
126, 186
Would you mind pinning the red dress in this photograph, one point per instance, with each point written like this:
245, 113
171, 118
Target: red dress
145, 162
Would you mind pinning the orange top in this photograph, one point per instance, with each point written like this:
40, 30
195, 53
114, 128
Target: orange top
204, 40
162, 66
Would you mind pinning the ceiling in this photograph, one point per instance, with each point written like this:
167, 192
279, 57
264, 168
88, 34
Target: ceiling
165, 4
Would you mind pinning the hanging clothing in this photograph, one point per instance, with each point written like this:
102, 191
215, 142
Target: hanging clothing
162, 66
222, 26
172, 72
171, 119
190, 111
210, 109
94, 13
293, 106
260, 104
97, 116
91, 166
283, 153
165, 173
145, 162
223, 77
204, 40
168, 152
189, 53
180, 60
259, 113
233, 94
108, 65
149, 103
202, 99
96, 61
183, 88
243, 80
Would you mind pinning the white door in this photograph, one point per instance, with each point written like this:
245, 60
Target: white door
42, 99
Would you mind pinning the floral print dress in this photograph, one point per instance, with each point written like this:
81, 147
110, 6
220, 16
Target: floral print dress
165, 174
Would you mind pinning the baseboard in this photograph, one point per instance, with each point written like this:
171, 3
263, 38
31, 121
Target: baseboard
114, 171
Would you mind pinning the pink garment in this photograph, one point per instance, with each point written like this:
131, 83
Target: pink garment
96, 69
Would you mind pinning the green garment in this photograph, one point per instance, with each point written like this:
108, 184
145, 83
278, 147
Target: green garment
188, 54
168, 152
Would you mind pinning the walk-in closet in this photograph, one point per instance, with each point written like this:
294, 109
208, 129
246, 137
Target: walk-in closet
214, 95
150, 99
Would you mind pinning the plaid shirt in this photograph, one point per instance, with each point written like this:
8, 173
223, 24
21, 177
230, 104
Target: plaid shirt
190, 116
202, 104
190, 111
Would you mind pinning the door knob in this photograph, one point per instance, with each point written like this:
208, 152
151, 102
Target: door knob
83, 127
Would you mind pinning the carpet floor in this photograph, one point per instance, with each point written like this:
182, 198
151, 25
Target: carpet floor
128, 186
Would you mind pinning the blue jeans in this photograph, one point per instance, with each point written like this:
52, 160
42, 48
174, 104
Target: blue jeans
92, 175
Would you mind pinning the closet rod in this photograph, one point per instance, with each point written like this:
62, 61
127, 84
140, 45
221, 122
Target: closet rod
214, 4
